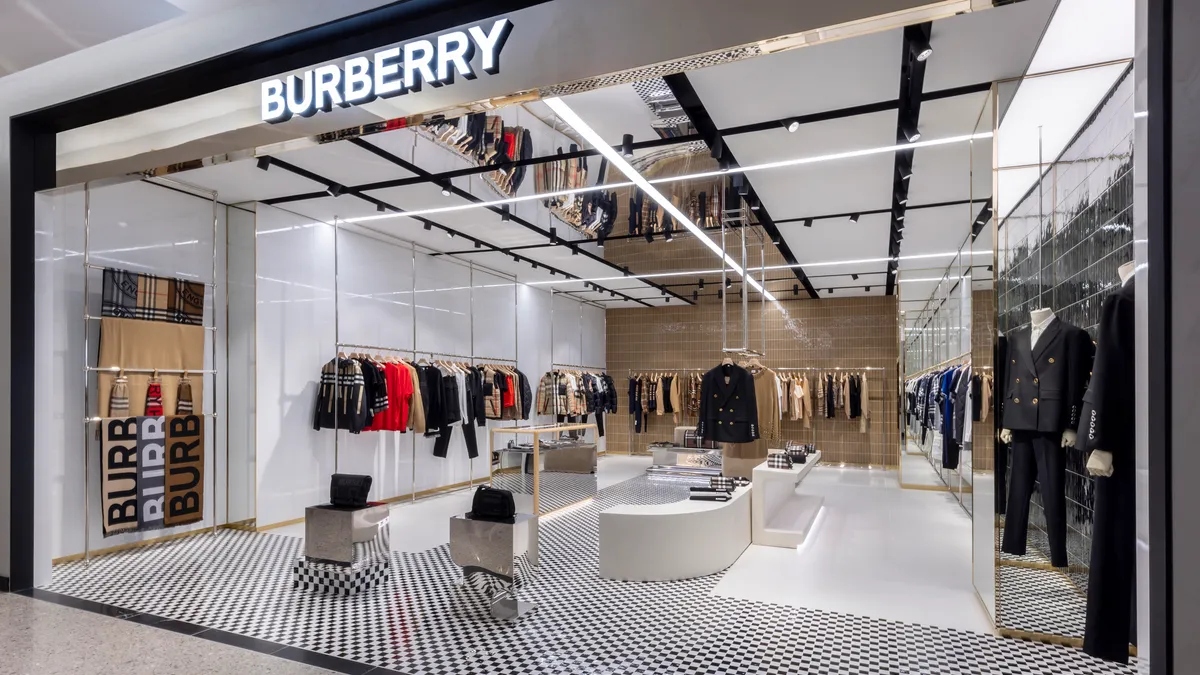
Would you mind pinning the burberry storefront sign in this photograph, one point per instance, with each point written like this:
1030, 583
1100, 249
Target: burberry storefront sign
390, 72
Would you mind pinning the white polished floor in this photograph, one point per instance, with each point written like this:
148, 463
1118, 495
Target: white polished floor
915, 469
876, 550
426, 524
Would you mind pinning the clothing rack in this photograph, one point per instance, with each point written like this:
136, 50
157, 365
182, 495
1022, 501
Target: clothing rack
866, 368
148, 371
92, 317
374, 348
964, 358
558, 366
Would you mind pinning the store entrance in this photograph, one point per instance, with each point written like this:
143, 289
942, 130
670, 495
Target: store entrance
546, 385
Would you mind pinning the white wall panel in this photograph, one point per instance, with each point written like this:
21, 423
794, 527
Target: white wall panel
568, 348
295, 331
242, 477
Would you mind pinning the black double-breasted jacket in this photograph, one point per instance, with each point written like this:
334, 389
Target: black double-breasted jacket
728, 410
1046, 382
1108, 407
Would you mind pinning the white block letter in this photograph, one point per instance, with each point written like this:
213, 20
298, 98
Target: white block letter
274, 108
492, 43
417, 57
328, 78
458, 49
385, 82
357, 87
300, 95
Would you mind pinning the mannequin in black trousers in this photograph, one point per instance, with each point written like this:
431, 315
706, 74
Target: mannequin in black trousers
1037, 455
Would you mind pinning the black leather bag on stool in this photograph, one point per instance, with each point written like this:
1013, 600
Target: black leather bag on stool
349, 490
493, 504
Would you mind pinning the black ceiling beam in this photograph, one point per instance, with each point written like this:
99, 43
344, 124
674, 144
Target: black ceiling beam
401, 162
564, 242
687, 97
852, 111
834, 216
305, 173
908, 116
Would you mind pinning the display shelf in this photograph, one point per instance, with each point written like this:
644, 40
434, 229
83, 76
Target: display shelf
780, 516
537, 432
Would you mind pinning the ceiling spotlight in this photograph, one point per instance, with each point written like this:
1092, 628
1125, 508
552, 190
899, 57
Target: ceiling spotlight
478, 244
728, 283
905, 173
668, 299
428, 226
854, 277
921, 49
445, 189
449, 234
625, 270
553, 235
792, 126
380, 208
668, 236
868, 289
901, 197
264, 163
854, 217
335, 190
775, 241
695, 296
910, 131
989, 268
720, 294
627, 146
895, 271
898, 213
808, 222
551, 270
663, 291
795, 289
738, 182
505, 212
754, 204
516, 259
534, 265
701, 283
830, 291
717, 151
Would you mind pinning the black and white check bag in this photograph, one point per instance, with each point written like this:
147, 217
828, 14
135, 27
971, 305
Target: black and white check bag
721, 483
779, 460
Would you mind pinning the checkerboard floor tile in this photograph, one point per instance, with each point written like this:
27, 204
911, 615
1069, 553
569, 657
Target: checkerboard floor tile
557, 489
421, 622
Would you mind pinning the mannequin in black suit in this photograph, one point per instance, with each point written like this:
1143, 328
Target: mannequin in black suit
1047, 371
1107, 430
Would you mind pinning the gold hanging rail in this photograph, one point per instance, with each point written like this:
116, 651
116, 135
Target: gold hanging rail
964, 358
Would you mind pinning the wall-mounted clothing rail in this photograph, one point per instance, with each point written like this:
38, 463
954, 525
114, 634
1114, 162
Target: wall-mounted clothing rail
148, 371
350, 345
490, 359
102, 267
868, 368
90, 317
963, 358
452, 356
556, 366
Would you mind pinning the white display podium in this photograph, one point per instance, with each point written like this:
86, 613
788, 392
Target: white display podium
780, 516
681, 540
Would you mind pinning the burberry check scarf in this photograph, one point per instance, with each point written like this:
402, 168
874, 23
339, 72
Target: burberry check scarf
129, 295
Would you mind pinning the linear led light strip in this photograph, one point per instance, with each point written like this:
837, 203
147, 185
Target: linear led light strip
768, 268
674, 179
614, 158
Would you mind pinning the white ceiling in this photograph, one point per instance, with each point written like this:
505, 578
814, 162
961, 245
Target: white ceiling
36, 31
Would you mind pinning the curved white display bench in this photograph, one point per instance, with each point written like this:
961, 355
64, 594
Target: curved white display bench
682, 540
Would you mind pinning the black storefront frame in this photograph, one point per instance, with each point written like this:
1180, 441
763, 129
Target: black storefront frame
32, 165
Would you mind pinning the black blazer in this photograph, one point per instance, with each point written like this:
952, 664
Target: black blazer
728, 411
1045, 384
1108, 406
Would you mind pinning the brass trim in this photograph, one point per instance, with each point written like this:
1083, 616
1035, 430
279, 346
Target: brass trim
1046, 638
930, 488
284, 523
1042, 566
205, 529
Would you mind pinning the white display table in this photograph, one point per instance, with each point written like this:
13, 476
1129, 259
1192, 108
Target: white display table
682, 540
781, 517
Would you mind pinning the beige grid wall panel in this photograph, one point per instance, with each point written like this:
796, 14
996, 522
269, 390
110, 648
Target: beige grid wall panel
983, 331
800, 332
